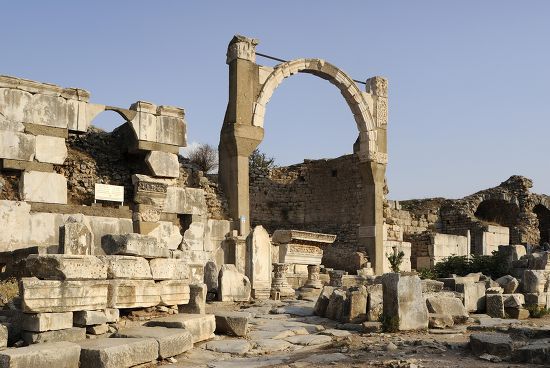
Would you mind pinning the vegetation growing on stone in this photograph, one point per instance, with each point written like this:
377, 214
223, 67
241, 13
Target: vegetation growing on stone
395, 259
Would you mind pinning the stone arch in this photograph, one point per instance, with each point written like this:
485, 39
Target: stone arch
348, 88
498, 211
250, 89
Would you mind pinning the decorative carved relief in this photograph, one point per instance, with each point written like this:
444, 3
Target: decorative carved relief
377, 86
382, 112
242, 47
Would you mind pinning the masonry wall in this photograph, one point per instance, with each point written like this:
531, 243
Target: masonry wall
317, 195
51, 157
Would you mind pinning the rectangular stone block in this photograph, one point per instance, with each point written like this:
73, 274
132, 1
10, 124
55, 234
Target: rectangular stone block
50, 149
542, 299
474, 295
215, 233
194, 236
190, 201
495, 305
4, 336
117, 353
39, 296
8, 164
403, 300
76, 239
534, 281
169, 269
36, 186
171, 130
15, 223
97, 329
201, 326
134, 245
102, 226
88, 318
258, 261
168, 235
171, 341
72, 334
133, 294
17, 146
197, 300
44, 228
55, 354
174, 292
66, 267
127, 267
163, 164
112, 315
41, 322
44, 130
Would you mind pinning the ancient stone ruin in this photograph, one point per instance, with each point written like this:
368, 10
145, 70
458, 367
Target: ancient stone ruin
116, 251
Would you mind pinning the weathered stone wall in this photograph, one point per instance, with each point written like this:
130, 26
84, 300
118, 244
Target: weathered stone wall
524, 216
323, 196
51, 158
317, 195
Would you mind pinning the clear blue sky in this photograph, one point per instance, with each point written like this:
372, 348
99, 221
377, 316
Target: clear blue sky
469, 80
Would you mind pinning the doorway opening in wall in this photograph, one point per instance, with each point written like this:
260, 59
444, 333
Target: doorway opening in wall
543, 215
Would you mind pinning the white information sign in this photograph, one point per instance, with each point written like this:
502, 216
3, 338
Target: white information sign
106, 192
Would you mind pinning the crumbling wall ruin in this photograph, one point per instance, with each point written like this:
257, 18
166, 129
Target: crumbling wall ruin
52, 156
322, 196
318, 195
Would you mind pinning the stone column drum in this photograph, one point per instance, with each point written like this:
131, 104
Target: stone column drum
336, 278
279, 284
313, 279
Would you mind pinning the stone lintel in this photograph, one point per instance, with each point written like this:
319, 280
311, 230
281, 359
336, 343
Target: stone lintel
155, 146
36, 129
298, 236
18, 165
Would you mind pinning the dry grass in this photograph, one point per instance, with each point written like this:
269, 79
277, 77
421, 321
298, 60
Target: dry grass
9, 289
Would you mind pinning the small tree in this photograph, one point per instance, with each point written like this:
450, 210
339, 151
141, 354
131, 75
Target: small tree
395, 259
260, 161
204, 156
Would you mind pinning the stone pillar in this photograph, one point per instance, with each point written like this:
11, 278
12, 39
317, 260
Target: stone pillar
336, 278
372, 167
403, 302
313, 279
238, 136
258, 262
279, 283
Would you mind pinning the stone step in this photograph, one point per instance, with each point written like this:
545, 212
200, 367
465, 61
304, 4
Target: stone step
171, 341
54, 354
201, 326
72, 334
117, 353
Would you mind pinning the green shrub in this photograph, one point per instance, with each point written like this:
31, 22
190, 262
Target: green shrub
395, 259
494, 266
427, 273
536, 311
389, 324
